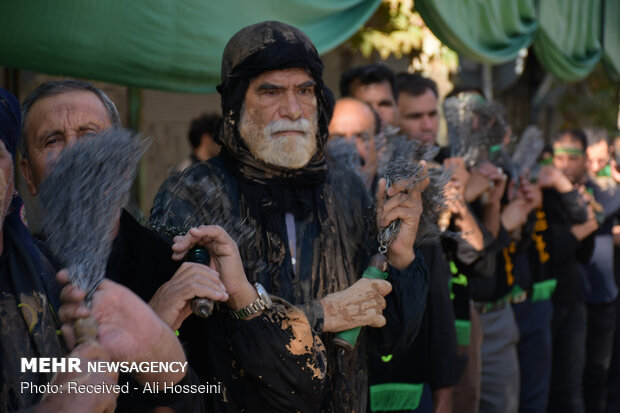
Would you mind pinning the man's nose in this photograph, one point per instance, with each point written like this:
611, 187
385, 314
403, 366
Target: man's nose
71, 139
361, 147
426, 122
291, 107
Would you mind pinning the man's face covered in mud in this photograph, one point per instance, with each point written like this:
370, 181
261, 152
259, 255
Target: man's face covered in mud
278, 121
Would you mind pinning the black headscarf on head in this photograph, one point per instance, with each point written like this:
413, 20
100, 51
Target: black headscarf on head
256, 49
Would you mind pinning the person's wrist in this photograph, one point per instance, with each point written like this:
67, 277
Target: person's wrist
563, 185
245, 296
402, 261
165, 347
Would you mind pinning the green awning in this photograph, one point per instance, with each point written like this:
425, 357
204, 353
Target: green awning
611, 39
569, 40
569, 36
159, 44
488, 31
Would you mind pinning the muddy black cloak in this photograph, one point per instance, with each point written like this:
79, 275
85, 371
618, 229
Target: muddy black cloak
333, 221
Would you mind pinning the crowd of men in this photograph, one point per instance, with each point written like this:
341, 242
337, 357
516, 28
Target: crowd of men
512, 308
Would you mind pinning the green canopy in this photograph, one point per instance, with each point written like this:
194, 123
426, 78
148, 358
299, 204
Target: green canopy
569, 36
569, 41
485, 31
159, 44
611, 39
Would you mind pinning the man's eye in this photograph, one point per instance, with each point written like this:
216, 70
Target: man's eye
51, 141
305, 91
364, 136
85, 132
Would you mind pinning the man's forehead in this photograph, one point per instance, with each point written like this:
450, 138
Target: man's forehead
279, 77
382, 89
598, 147
568, 141
426, 102
73, 104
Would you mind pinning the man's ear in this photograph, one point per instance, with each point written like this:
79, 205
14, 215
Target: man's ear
27, 174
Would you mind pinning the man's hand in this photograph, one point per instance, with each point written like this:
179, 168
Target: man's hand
484, 178
453, 193
359, 305
171, 302
225, 259
464, 221
551, 177
514, 215
458, 172
128, 329
531, 193
404, 203
582, 231
102, 402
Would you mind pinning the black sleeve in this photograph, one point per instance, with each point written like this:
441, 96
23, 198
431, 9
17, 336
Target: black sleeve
283, 360
444, 364
140, 259
474, 263
404, 308
574, 206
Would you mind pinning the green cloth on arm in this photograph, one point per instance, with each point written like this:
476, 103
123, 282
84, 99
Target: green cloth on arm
389, 397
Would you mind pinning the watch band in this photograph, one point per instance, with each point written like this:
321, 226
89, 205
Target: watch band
263, 302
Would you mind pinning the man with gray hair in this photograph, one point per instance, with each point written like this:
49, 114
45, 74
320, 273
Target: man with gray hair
314, 228
56, 115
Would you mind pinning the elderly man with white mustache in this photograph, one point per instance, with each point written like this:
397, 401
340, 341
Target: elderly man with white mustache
314, 229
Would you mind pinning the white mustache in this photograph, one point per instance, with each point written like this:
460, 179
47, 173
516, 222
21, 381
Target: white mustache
299, 125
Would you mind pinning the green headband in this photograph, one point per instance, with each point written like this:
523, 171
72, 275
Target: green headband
569, 151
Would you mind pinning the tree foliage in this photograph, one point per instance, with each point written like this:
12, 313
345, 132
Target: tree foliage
396, 29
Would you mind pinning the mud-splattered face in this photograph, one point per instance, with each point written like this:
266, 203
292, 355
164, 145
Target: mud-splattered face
6, 180
278, 120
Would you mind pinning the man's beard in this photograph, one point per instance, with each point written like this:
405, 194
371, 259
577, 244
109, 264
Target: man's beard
287, 151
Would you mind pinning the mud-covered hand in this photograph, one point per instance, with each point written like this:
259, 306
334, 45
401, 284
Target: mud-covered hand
402, 200
361, 304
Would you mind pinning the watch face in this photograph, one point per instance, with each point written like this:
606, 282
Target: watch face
263, 295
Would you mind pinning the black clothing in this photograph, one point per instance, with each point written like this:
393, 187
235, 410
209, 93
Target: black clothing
140, 259
219, 349
331, 228
432, 358
567, 254
27, 323
333, 248
489, 289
